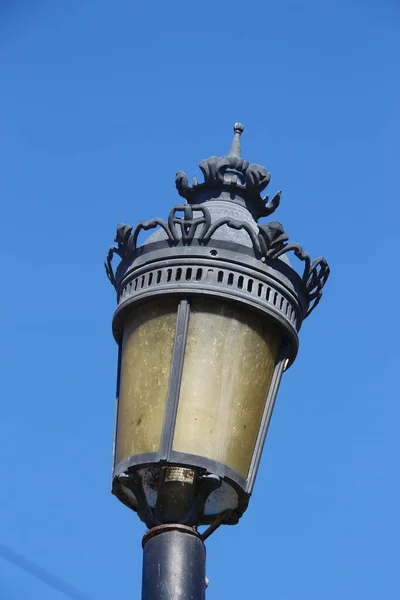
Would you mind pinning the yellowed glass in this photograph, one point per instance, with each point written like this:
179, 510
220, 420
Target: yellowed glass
229, 362
145, 367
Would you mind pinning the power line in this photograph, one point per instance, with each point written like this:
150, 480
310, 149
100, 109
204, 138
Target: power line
40, 573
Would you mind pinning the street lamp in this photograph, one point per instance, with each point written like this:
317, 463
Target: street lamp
209, 309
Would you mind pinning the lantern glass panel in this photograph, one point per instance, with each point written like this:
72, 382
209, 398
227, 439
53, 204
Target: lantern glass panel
229, 362
145, 368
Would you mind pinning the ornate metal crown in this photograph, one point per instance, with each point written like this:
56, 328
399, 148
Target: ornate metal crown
232, 179
231, 174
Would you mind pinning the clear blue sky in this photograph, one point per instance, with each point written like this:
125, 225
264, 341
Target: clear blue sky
101, 103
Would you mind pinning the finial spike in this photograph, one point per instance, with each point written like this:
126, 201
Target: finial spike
235, 149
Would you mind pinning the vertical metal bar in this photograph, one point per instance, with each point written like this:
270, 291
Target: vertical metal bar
174, 563
262, 433
117, 403
174, 384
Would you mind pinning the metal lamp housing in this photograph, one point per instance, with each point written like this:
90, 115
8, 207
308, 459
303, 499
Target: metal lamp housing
208, 314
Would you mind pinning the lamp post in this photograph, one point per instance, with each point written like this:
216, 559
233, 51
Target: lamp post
208, 314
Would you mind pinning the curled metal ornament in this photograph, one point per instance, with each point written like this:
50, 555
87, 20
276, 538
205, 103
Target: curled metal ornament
271, 242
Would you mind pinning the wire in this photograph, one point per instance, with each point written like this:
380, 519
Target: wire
40, 573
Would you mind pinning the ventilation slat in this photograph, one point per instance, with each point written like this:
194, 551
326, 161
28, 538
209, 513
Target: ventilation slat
192, 274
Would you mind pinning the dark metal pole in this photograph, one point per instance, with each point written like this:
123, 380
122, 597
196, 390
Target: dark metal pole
174, 562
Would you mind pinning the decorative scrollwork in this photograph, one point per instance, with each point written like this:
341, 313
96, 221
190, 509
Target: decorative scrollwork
214, 168
271, 206
233, 224
234, 173
319, 273
189, 223
274, 243
127, 242
178, 229
257, 178
122, 238
182, 184
272, 238
269, 243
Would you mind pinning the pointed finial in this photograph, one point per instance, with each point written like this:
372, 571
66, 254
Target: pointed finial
235, 146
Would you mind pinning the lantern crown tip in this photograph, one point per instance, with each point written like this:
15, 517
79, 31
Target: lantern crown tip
230, 178
235, 149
